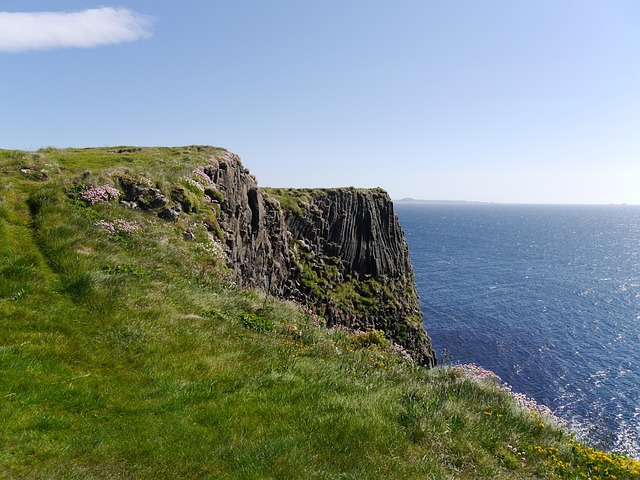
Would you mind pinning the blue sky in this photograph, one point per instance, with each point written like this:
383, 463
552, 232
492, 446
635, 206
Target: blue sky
534, 101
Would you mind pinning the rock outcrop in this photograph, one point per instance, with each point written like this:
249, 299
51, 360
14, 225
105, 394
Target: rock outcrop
341, 251
255, 235
354, 264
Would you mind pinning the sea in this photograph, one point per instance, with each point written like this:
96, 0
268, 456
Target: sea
546, 296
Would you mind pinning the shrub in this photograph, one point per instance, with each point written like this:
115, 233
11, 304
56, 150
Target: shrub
211, 222
257, 323
186, 198
213, 194
367, 339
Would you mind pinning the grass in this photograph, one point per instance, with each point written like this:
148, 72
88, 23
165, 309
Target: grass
131, 355
293, 201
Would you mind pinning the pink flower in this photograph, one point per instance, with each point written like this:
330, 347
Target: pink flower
200, 172
118, 227
99, 194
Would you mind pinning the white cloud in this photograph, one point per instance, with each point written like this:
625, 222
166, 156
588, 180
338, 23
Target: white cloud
25, 31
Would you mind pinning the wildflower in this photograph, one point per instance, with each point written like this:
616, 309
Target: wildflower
190, 181
118, 227
213, 247
99, 194
470, 371
200, 172
402, 352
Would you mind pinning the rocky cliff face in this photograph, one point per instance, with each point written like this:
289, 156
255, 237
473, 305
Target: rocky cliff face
341, 251
255, 234
353, 263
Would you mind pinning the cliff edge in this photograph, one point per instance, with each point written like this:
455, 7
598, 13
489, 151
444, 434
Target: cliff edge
341, 251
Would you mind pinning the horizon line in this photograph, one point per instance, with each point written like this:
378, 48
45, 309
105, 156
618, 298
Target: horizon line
409, 200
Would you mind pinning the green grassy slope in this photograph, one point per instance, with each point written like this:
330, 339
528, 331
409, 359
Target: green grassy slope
130, 354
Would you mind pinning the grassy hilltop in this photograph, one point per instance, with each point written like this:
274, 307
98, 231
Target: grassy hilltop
126, 351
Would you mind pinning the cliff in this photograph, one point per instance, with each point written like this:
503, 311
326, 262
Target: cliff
341, 251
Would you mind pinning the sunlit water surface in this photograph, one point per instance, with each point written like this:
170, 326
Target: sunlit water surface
548, 297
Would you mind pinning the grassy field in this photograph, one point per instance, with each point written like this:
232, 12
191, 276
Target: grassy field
127, 352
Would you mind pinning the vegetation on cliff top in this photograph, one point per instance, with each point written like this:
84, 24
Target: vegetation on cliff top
344, 261
297, 201
127, 352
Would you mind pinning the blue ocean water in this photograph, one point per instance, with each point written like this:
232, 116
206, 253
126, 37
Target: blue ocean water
548, 297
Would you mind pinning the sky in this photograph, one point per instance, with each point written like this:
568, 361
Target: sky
528, 101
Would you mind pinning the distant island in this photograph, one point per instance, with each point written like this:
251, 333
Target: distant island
440, 202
